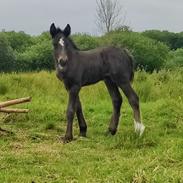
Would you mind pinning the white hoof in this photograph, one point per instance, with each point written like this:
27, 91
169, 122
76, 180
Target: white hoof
139, 127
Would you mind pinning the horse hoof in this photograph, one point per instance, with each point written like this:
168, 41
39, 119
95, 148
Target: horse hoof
82, 134
66, 139
110, 132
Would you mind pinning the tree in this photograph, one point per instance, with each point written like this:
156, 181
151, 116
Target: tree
149, 54
109, 15
173, 40
18, 41
175, 59
7, 57
38, 56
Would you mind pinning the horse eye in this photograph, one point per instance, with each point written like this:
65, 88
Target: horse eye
55, 45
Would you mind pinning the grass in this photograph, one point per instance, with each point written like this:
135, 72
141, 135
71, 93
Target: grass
34, 153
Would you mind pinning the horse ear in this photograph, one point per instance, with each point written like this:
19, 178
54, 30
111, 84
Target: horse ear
67, 30
53, 30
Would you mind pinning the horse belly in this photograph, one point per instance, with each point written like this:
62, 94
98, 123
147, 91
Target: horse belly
91, 77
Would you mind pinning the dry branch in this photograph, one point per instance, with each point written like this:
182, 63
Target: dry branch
14, 110
15, 101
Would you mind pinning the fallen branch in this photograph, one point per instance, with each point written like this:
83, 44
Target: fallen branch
13, 102
14, 110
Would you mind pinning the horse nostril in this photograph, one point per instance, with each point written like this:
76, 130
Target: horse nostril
62, 62
59, 61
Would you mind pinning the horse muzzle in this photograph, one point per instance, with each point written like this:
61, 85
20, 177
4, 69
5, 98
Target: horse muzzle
62, 62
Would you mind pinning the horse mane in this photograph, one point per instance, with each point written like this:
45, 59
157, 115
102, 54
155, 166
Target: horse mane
72, 43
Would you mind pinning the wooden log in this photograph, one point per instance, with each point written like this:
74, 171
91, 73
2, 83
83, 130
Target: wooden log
14, 110
15, 101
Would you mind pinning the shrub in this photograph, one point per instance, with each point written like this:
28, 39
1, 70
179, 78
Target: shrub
171, 39
85, 42
175, 60
36, 57
35, 53
149, 54
7, 57
18, 41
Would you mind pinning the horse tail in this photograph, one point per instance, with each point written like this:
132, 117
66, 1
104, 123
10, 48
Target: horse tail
132, 67
131, 64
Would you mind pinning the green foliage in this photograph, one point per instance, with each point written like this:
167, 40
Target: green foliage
85, 42
21, 52
18, 41
3, 88
175, 59
173, 40
45, 36
38, 56
34, 152
149, 54
164, 84
7, 57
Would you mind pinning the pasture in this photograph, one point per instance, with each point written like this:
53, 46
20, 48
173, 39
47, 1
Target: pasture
34, 153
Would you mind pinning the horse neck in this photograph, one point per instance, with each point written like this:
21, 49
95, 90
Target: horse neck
70, 52
72, 49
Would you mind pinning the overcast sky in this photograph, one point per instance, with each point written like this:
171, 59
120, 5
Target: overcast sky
35, 16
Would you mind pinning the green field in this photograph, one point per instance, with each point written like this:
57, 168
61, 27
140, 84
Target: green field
34, 153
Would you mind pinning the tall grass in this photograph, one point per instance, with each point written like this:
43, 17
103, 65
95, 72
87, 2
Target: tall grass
34, 152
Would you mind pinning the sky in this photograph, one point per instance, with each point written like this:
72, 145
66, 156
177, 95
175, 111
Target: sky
35, 16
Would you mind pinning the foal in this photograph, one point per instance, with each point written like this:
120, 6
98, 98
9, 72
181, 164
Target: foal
80, 68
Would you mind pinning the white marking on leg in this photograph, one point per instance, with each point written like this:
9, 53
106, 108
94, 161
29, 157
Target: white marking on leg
142, 128
139, 127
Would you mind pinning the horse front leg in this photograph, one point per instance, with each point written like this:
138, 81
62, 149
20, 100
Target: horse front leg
81, 119
71, 108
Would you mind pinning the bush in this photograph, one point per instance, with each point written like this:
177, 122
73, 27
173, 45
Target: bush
175, 60
85, 42
35, 53
171, 39
149, 54
7, 57
18, 41
37, 57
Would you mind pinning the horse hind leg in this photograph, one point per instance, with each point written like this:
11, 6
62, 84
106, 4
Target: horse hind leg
133, 100
116, 101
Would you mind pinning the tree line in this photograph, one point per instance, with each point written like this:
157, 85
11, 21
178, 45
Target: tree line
152, 50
